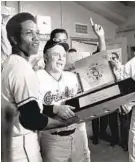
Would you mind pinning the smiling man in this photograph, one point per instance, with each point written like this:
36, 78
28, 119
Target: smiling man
67, 143
20, 88
56, 85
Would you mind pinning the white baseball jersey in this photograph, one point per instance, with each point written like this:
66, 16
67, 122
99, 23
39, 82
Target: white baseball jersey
62, 148
19, 85
54, 92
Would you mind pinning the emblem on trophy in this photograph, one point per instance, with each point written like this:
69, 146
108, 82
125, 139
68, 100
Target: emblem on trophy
94, 73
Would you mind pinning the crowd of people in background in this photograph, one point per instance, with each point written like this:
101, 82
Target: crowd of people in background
33, 109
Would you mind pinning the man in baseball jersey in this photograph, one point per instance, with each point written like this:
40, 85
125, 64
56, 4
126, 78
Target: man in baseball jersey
20, 88
67, 143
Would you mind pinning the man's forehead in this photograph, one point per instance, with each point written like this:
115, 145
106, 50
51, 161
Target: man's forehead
57, 48
61, 35
29, 24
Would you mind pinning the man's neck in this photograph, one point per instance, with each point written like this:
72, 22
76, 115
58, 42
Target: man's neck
20, 53
55, 75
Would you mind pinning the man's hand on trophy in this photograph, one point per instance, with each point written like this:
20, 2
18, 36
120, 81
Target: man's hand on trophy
98, 29
64, 111
74, 119
69, 121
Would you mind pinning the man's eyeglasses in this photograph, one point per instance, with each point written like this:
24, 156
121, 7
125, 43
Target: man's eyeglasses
58, 55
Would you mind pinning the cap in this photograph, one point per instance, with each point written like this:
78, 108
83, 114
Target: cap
52, 43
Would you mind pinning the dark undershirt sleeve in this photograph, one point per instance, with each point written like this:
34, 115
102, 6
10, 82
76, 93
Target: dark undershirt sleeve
48, 110
31, 118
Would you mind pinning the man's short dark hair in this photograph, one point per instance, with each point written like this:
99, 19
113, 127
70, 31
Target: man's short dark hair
56, 31
13, 26
72, 50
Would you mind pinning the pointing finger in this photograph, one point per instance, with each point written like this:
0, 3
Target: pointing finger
91, 21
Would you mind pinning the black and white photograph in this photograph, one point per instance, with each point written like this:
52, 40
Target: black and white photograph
67, 81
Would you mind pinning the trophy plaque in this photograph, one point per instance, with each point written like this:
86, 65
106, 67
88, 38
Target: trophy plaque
94, 71
100, 93
104, 100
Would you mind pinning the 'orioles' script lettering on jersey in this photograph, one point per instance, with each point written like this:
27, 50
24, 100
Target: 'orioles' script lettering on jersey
50, 97
56, 92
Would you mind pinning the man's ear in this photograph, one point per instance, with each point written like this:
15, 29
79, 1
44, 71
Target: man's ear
13, 39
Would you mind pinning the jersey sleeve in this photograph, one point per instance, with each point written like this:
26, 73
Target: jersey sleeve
129, 68
24, 85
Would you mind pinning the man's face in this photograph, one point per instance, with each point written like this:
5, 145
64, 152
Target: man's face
29, 40
60, 37
56, 58
114, 60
